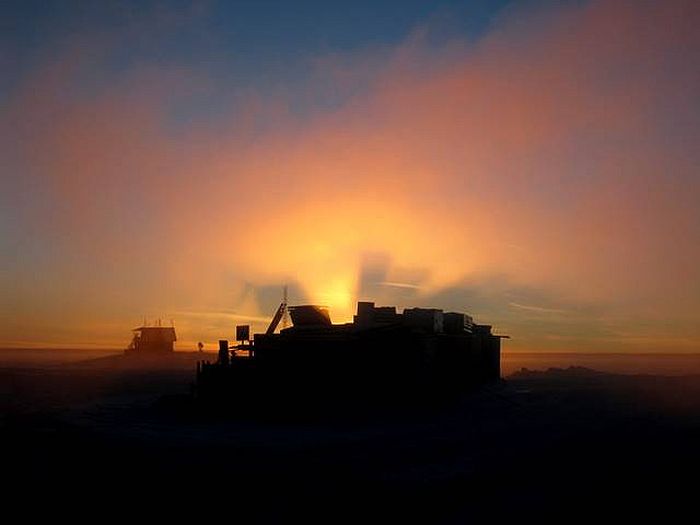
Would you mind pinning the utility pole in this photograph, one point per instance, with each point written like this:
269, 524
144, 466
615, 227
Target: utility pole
285, 315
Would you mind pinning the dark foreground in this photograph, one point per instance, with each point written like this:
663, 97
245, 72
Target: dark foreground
558, 444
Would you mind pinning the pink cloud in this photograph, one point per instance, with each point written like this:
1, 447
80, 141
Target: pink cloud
539, 153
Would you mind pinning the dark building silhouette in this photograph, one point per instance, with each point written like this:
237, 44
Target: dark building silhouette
150, 340
382, 355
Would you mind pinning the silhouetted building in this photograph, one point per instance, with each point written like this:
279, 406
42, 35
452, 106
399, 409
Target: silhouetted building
152, 340
382, 354
309, 315
457, 323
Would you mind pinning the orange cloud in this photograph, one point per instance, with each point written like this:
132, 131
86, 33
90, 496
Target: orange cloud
540, 153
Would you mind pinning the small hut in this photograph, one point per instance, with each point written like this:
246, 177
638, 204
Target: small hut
152, 340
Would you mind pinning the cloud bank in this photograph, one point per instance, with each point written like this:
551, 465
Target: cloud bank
544, 178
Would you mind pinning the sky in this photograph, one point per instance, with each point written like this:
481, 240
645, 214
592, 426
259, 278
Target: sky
533, 163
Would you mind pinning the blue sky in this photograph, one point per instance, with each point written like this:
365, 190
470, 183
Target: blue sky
252, 43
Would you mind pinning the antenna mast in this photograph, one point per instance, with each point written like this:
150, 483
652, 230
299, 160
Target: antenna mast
285, 315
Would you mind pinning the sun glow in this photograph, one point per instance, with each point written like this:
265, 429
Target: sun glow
338, 296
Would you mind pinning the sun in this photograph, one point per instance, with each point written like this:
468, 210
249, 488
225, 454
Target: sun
338, 296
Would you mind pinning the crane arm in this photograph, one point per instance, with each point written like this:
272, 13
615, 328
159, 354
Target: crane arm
276, 319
